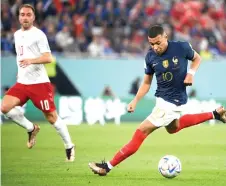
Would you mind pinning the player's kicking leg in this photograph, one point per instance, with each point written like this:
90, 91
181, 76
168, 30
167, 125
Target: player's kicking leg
189, 120
146, 128
126, 151
9, 109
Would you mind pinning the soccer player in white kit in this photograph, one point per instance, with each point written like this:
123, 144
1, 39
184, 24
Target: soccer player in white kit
33, 52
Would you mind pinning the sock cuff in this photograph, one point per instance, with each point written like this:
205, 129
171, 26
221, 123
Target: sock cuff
109, 165
58, 122
14, 111
213, 114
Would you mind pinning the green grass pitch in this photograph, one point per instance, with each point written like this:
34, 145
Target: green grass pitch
201, 149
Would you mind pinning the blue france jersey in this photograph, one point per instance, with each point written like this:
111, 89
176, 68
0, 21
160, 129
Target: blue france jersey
170, 69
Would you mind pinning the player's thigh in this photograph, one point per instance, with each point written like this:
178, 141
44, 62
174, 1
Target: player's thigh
42, 96
147, 127
161, 117
15, 96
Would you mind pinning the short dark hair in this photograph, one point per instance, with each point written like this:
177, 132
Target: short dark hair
27, 6
155, 30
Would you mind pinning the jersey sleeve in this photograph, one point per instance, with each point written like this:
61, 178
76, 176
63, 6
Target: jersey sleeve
189, 52
147, 68
43, 44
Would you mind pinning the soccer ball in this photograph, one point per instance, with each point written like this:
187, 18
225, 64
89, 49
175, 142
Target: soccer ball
169, 166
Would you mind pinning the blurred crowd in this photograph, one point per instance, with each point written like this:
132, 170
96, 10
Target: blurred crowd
119, 27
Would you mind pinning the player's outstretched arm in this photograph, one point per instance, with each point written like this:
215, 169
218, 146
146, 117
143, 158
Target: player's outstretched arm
188, 81
143, 90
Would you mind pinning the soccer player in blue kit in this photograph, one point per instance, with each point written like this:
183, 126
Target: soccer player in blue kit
168, 60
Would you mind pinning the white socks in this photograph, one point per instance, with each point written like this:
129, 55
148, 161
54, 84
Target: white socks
62, 130
18, 117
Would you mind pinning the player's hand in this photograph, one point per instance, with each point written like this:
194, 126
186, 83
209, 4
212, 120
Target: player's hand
131, 106
25, 62
188, 80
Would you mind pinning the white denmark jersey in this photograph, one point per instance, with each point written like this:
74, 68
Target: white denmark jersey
29, 44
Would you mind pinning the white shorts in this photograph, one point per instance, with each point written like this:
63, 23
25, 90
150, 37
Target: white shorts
164, 113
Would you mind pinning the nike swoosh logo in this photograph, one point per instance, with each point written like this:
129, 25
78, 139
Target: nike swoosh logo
173, 169
154, 64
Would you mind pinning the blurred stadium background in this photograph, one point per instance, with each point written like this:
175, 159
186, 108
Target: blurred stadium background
99, 47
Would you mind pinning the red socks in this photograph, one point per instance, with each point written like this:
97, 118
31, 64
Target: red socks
189, 120
138, 137
129, 148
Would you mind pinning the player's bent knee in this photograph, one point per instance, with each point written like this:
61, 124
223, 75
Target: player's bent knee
171, 131
5, 109
52, 120
51, 117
